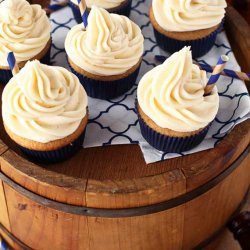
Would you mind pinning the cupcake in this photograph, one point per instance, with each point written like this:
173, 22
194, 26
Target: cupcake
106, 56
179, 23
174, 115
44, 111
121, 7
25, 30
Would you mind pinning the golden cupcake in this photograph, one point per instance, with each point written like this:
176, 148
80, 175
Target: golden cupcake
106, 56
194, 23
174, 115
44, 111
25, 30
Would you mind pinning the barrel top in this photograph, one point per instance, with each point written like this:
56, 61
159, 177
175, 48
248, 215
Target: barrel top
117, 176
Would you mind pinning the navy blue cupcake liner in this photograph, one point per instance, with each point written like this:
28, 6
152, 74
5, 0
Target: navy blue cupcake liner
6, 74
124, 10
199, 47
107, 89
54, 156
167, 143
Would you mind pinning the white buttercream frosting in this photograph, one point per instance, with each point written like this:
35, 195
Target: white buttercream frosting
110, 45
43, 103
188, 15
172, 94
24, 29
106, 4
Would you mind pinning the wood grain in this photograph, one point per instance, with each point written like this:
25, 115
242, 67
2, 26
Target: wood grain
156, 231
4, 216
214, 207
40, 227
238, 32
135, 192
201, 168
3, 148
13, 243
181, 227
41, 181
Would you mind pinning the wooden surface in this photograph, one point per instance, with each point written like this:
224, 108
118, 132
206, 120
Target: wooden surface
182, 227
213, 209
225, 240
238, 33
4, 216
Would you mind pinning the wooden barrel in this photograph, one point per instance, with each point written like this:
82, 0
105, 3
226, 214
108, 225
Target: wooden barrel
107, 198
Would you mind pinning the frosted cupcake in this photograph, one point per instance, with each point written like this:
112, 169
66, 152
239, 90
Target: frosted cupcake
174, 115
121, 7
44, 111
179, 23
106, 56
25, 30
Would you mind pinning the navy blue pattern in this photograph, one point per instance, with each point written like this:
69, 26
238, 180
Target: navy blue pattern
115, 121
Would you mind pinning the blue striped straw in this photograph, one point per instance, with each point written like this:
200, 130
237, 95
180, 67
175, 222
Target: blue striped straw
216, 74
84, 12
226, 72
12, 63
54, 7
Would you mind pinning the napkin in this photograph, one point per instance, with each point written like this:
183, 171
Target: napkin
114, 121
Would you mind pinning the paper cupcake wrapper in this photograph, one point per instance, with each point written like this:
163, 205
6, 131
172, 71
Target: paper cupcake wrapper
6, 74
124, 10
168, 143
54, 156
199, 47
106, 89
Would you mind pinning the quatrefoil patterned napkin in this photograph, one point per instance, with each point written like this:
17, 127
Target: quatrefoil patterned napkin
115, 122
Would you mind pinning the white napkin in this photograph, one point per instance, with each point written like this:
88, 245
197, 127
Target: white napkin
115, 122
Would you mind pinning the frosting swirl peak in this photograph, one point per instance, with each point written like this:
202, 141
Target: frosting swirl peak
43, 103
172, 94
110, 45
106, 4
24, 29
188, 15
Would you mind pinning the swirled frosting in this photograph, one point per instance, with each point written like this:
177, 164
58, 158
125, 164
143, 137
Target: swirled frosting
172, 94
110, 45
24, 29
43, 103
106, 4
188, 15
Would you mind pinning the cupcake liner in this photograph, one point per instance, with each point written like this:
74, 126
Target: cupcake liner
124, 10
6, 74
54, 156
46, 58
168, 143
106, 89
199, 47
